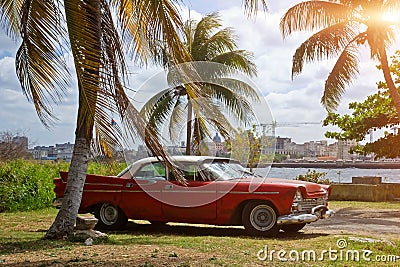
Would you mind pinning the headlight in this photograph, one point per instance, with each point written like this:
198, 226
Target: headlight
298, 197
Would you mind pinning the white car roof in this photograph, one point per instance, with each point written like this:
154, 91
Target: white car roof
183, 158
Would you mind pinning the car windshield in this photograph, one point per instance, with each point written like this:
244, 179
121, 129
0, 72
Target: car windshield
226, 170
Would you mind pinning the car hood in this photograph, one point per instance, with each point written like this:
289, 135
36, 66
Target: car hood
308, 189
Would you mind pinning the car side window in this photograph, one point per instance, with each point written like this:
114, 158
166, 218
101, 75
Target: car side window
189, 171
154, 171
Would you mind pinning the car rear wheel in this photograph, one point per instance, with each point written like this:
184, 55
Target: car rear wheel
259, 218
110, 217
292, 228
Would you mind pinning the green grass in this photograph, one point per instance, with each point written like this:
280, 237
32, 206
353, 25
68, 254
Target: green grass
180, 245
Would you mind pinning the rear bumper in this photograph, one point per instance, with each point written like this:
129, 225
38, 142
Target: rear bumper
318, 212
57, 202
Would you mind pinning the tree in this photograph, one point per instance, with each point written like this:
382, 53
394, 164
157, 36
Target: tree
204, 42
100, 68
87, 28
13, 145
376, 112
343, 27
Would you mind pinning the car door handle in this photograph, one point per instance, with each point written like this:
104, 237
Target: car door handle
169, 186
129, 185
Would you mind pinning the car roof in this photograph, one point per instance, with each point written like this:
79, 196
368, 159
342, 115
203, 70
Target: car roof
181, 158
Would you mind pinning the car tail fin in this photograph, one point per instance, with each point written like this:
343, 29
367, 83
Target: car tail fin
63, 176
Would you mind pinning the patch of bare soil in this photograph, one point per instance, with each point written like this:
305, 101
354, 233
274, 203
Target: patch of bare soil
106, 255
356, 221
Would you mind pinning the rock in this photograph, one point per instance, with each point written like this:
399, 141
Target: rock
85, 223
84, 235
89, 241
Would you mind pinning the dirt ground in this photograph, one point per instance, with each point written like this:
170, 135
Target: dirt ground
356, 221
380, 224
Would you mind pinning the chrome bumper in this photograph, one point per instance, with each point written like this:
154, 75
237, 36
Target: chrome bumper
318, 212
57, 202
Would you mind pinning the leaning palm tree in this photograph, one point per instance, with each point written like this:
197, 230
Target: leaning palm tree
205, 42
342, 28
89, 31
87, 28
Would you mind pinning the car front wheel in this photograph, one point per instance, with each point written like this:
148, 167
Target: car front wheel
110, 217
259, 218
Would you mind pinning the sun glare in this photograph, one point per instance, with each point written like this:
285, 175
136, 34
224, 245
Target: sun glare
392, 17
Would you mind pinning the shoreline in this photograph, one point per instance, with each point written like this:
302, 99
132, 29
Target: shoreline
338, 165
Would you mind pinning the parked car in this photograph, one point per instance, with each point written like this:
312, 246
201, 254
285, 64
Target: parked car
219, 191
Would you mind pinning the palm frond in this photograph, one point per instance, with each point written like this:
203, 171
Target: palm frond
177, 120
10, 16
391, 5
379, 36
84, 28
313, 15
235, 104
205, 28
41, 69
240, 60
344, 71
220, 42
251, 6
150, 105
148, 22
161, 111
324, 44
238, 87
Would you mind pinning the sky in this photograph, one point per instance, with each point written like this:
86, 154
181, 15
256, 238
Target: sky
294, 103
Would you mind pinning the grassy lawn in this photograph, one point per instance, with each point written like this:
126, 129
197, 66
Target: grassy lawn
142, 244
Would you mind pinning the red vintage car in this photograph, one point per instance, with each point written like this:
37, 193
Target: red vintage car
219, 191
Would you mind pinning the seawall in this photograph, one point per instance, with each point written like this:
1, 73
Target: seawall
338, 165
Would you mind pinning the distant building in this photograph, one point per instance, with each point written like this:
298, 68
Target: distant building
215, 147
315, 149
57, 152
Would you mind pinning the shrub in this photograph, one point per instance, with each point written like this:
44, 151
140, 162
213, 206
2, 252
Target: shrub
27, 185
314, 177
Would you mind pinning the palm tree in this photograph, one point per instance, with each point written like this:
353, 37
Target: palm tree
87, 28
100, 70
342, 28
205, 41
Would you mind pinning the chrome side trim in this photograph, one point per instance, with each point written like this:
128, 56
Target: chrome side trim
141, 191
102, 191
187, 191
248, 193
103, 184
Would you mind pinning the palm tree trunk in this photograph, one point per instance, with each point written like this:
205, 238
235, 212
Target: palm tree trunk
64, 223
394, 94
189, 128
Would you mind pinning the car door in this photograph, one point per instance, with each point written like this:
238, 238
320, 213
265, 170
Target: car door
143, 192
195, 202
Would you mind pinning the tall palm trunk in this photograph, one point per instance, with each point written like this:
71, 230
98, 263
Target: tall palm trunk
88, 84
189, 128
394, 94
64, 223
